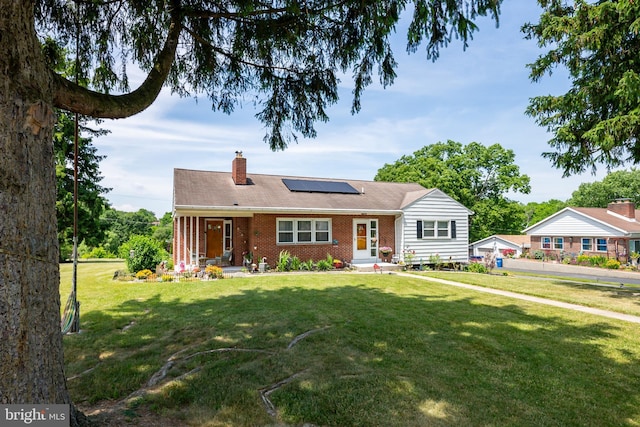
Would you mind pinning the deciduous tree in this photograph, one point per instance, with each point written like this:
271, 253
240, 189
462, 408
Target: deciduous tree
536, 212
623, 184
285, 54
477, 176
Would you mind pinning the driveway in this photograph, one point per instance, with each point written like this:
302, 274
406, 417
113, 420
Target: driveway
576, 272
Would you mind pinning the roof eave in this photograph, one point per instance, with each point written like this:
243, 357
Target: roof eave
247, 211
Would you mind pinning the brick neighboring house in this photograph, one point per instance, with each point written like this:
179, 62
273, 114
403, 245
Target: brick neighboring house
613, 231
237, 213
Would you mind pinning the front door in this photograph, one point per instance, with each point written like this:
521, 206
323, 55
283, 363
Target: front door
365, 239
215, 238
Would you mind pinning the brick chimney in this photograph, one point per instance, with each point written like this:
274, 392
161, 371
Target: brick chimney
624, 207
239, 169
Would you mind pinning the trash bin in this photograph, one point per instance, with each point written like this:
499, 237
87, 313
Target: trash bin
499, 262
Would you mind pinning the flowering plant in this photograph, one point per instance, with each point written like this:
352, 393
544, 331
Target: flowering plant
385, 249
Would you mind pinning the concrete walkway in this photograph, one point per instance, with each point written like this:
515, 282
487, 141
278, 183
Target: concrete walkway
568, 306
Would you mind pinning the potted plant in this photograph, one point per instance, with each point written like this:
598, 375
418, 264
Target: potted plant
385, 251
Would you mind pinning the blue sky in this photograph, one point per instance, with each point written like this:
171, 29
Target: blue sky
475, 95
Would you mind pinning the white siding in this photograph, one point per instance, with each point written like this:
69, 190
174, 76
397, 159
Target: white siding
488, 245
436, 206
570, 223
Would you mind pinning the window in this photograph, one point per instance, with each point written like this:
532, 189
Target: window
436, 229
634, 246
303, 230
546, 243
601, 245
587, 244
558, 243
322, 230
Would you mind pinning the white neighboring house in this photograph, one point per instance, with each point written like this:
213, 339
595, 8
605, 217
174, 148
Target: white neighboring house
498, 243
435, 224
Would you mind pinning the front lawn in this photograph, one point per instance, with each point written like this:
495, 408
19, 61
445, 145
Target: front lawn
344, 350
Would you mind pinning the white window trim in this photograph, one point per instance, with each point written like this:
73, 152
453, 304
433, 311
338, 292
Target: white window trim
435, 229
314, 231
590, 244
596, 245
542, 243
559, 240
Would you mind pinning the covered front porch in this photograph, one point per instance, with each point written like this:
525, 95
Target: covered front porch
210, 240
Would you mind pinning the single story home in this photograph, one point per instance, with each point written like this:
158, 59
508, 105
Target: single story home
613, 231
498, 243
232, 216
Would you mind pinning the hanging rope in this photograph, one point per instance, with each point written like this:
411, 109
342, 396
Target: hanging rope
69, 314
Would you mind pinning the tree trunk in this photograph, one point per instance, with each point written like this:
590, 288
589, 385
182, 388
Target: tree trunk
31, 356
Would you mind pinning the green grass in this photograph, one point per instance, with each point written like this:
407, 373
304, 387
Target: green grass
576, 291
384, 351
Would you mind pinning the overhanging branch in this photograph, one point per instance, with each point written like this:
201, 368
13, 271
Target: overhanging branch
75, 98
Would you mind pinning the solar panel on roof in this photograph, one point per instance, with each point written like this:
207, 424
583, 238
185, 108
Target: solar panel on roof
311, 186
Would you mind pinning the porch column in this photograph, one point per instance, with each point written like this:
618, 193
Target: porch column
184, 242
197, 240
176, 245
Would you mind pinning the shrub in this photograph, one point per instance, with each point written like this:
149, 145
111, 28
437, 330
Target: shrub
612, 264
66, 251
435, 260
143, 274
476, 267
598, 260
284, 261
329, 259
508, 252
99, 253
142, 252
538, 254
308, 266
296, 264
214, 271
167, 278
582, 259
324, 265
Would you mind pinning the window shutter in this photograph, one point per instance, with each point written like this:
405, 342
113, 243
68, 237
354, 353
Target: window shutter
453, 229
419, 229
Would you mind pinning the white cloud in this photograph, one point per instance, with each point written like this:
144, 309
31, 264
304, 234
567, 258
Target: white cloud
478, 95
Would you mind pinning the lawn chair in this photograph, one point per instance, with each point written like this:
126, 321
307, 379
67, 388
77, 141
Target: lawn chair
226, 258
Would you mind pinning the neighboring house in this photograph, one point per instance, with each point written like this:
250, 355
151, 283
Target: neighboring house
239, 214
519, 243
613, 232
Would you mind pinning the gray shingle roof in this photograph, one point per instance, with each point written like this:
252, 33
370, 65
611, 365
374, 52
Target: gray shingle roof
208, 190
604, 215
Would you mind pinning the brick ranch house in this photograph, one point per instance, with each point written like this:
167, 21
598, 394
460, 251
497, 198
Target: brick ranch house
220, 215
613, 231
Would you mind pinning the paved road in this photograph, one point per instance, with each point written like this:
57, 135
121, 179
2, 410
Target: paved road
579, 276
576, 307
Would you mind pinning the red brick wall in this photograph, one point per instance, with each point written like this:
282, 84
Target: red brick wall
616, 248
239, 171
258, 235
263, 237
